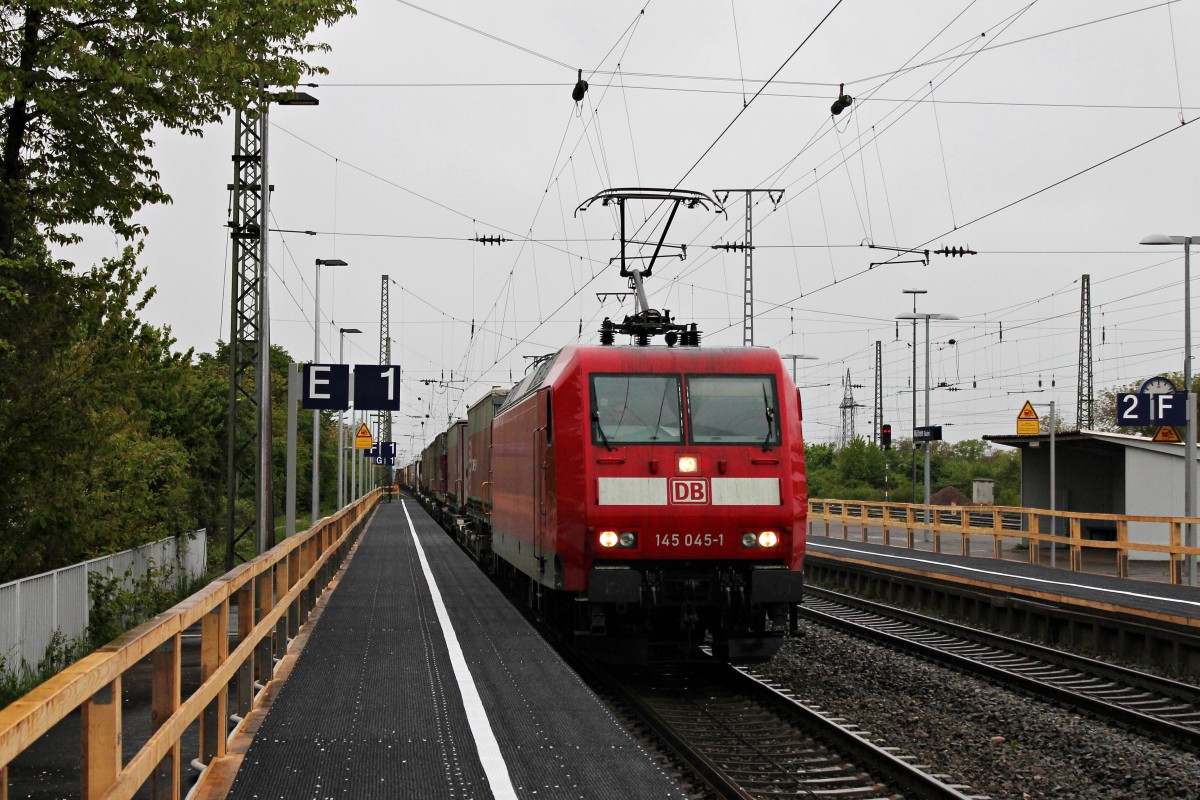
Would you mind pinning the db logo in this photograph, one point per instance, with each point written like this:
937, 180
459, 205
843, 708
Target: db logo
689, 490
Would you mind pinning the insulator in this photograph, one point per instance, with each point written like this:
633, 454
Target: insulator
643, 339
581, 87
606, 332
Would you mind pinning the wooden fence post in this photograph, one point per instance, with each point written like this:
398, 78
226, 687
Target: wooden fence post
214, 649
101, 736
165, 695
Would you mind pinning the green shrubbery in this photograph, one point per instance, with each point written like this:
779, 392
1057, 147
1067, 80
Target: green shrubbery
115, 609
857, 471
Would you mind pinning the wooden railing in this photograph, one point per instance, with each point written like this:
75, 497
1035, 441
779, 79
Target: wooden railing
1157, 537
274, 594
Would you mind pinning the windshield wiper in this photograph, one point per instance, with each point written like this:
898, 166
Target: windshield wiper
770, 419
600, 428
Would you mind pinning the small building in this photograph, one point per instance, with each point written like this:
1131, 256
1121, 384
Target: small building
983, 491
1103, 473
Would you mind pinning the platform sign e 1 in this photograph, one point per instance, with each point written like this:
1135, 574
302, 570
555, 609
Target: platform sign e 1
326, 387
377, 387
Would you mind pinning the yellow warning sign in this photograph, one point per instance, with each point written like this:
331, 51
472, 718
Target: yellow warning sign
362, 438
1166, 433
1028, 423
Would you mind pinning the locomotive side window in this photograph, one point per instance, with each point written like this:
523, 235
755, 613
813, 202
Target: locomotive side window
635, 409
733, 409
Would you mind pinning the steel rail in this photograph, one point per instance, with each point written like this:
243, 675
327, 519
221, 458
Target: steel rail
751, 745
1154, 705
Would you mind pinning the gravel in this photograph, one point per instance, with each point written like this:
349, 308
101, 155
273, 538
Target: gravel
998, 742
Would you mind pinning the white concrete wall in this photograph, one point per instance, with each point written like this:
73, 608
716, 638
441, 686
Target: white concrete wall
1153, 487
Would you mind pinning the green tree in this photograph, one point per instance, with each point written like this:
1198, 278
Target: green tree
83, 83
90, 456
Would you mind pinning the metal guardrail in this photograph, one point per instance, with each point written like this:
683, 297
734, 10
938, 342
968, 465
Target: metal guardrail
273, 593
33, 608
1126, 536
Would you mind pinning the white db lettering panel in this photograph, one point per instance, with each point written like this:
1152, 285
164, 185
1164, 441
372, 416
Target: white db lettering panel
632, 491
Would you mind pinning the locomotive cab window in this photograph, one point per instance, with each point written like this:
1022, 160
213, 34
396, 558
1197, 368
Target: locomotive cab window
635, 409
733, 409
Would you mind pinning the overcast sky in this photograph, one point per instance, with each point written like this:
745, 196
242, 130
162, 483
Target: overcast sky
969, 121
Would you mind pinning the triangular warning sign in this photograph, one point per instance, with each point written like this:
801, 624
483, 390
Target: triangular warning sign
1166, 434
363, 430
1027, 411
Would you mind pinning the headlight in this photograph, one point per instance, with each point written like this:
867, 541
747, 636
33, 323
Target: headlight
626, 540
688, 464
749, 540
768, 539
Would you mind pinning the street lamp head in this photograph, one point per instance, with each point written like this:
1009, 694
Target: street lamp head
331, 262
344, 331
1160, 238
925, 316
915, 291
294, 99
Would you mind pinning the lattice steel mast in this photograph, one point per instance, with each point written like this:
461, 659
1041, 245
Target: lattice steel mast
747, 247
1085, 391
248, 442
847, 407
383, 426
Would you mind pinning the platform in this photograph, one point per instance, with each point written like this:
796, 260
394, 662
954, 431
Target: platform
1136, 598
421, 680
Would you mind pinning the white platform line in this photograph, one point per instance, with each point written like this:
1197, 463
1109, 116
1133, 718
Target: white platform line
490, 756
933, 562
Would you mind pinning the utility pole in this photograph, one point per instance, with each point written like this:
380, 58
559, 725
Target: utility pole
747, 246
914, 293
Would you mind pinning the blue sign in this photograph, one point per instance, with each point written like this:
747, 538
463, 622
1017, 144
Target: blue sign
1140, 408
383, 453
326, 387
377, 387
927, 433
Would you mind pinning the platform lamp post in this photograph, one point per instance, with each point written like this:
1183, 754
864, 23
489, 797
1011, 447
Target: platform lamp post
1189, 447
914, 293
316, 465
341, 420
914, 318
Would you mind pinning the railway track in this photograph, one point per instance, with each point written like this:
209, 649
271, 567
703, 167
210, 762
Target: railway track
748, 739
1159, 707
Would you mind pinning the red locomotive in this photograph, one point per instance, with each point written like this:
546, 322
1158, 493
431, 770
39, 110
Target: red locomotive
650, 499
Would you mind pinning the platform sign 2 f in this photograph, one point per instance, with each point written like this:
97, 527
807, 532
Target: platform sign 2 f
377, 387
1141, 408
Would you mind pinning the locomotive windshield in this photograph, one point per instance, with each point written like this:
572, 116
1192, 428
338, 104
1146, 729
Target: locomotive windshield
635, 409
733, 409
